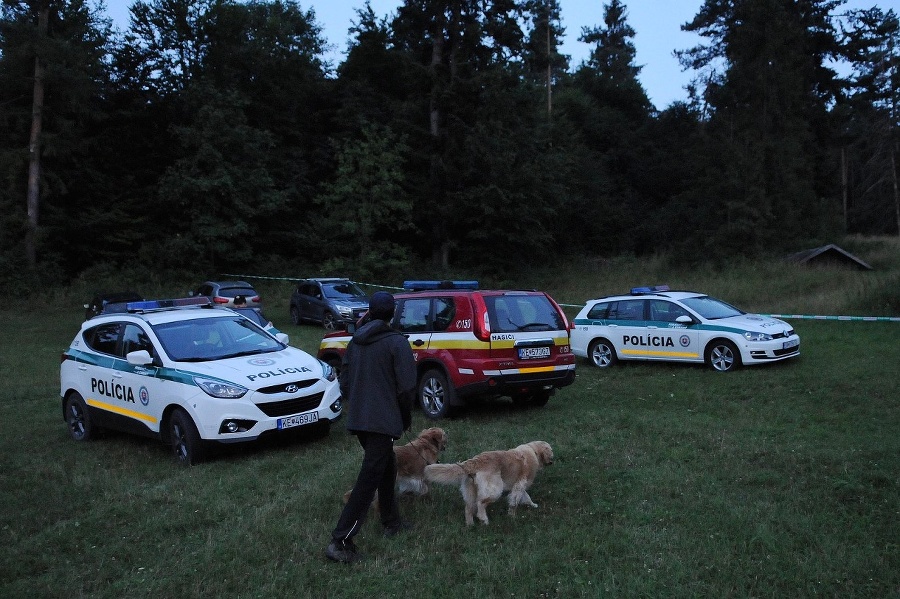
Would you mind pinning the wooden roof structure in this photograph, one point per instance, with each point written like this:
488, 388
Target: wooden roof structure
828, 255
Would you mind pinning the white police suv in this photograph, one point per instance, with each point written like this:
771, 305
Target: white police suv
189, 373
679, 326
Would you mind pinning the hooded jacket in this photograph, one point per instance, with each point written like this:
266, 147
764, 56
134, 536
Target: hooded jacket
378, 380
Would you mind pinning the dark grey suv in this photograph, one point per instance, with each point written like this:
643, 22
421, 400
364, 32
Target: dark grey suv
332, 302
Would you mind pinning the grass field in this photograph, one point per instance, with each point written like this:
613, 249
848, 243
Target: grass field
670, 480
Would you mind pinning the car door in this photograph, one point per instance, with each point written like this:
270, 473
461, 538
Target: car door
627, 328
144, 390
667, 338
316, 302
412, 320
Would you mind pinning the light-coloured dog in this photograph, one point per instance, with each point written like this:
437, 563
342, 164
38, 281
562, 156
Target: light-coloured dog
484, 478
412, 459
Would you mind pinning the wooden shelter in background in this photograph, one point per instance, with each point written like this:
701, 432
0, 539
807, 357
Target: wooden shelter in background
828, 255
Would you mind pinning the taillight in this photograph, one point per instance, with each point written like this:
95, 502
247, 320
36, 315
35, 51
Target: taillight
256, 299
482, 324
220, 300
63, 357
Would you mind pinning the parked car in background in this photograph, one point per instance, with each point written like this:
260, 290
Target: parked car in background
191, 375
110, 302
656, 323
332, 302
223, 293
471, 344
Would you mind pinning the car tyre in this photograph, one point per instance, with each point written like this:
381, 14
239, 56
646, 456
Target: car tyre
187, 445
295, 315
328, 321
78, 419
602, 354
435, 394
723, 356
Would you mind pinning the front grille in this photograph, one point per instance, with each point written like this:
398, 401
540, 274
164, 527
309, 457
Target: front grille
291, 406
281, 387
783, 335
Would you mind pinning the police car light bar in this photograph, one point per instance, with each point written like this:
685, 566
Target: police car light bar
654, 289
423, 285
167, 303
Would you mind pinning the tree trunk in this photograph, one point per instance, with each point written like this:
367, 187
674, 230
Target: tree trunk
34, 146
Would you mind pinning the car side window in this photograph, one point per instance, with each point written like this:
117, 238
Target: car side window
135, 339
665, 311
599, 311
103, 338
444, 312
627, 310
414, 315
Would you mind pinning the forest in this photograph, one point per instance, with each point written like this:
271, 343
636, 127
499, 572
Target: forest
214, 135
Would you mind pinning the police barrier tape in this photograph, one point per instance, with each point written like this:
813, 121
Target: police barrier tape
788, 316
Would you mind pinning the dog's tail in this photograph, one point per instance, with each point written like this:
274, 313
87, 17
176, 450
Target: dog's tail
445, 474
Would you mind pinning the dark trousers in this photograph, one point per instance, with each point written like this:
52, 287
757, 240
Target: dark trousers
378, 472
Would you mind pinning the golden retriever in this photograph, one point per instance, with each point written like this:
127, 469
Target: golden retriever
483, 478
412, 459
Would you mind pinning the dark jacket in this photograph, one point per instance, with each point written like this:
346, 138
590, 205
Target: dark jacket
378, 380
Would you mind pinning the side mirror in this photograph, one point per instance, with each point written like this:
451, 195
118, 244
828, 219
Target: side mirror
283, 338
684, 320
140, 357
351, 327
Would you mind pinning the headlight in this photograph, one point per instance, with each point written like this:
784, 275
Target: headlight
328, 372
345, 310
220, 389
751, 336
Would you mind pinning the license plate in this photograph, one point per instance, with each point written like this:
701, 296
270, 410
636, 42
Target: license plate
790, 344
297, 420
534, 353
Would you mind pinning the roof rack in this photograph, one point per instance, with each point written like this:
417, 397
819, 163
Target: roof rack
646, 290
425, 285
167, 303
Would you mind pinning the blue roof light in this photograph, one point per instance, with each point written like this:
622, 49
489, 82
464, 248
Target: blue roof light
654, 289
422, 285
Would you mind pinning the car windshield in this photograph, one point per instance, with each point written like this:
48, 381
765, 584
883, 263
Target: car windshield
253, 314
204, 339
510, 313
344, 290
711, 308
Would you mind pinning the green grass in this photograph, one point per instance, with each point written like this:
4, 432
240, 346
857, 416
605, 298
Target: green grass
670, 480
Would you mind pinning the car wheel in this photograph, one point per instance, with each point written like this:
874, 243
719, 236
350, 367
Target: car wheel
295, 315
78, 419
328, 321
602, 353
186, 442
435, 394
723, 355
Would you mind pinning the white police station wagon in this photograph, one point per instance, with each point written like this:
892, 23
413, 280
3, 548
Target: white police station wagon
678, 326
190, 374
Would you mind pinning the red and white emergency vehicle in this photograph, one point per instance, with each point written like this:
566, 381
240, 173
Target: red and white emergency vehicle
471, 343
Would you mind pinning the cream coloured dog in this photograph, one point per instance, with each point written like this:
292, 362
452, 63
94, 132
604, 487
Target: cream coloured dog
484, 478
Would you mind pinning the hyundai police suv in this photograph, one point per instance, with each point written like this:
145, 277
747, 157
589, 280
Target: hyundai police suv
679, 326
471, 343
190, 374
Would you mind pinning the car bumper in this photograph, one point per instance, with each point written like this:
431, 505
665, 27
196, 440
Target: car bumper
247, 421
513, 382
770, 351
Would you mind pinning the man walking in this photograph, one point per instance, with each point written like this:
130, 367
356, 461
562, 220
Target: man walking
378, 379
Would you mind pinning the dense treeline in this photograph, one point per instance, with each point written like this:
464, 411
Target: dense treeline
212, 133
